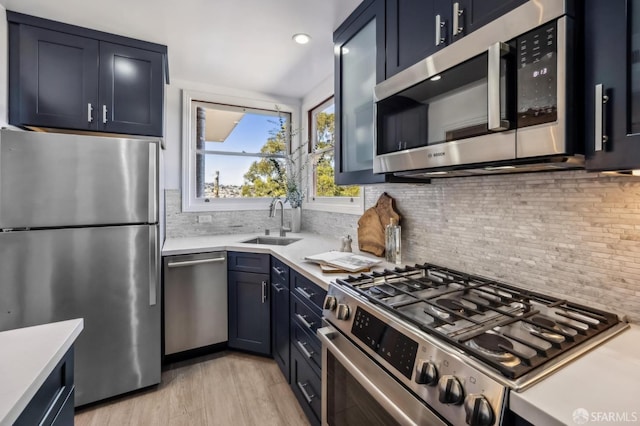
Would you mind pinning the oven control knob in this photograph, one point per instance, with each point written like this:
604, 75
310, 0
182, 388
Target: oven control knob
342, 312
330, 303
450, 390
427, 374
478, 410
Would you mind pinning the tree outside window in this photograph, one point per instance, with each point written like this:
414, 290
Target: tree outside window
240, 152
322, 139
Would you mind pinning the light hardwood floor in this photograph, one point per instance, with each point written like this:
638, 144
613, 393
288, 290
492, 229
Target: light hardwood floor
228, 388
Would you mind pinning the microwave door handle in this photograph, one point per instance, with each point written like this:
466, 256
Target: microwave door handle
494, 87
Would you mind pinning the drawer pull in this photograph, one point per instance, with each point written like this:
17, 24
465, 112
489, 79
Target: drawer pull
303, 320
277, 270
303, 348
303, 389
277, 287
304, 292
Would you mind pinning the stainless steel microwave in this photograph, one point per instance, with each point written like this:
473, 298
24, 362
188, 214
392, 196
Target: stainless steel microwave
499, 100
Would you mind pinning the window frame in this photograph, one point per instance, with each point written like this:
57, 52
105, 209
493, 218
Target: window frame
190, 203
350, 205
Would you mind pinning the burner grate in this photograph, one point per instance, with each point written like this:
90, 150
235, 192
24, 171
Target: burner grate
479, 306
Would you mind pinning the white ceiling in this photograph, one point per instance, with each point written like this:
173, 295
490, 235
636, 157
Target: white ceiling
243, 44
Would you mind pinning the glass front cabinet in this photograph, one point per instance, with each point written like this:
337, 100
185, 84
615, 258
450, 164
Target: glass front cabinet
359, 66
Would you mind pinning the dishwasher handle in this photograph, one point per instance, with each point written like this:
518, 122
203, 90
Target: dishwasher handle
194, 262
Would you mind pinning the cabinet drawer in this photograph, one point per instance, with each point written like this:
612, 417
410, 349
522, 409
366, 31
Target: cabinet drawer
279, 273
311, 293
309, 346
304, 316
248, 262
306, 385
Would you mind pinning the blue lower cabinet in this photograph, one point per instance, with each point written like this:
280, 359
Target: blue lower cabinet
249, 312
306, 385
280, 316
53, 402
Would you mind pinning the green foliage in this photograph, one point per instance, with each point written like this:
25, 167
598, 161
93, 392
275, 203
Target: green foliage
265, 178
325, 183
276, 177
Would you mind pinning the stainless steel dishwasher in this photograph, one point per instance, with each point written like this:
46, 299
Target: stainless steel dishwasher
195, 301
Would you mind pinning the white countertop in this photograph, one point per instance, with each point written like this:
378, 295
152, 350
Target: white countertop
292, 254
603, 384
27, 357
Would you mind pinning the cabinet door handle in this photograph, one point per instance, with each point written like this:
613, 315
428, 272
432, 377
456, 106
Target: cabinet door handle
104, 114
440, 30
303, 389
600, 132
303, 348
264, 291
304, 292
89, 112
303, 320
457, 18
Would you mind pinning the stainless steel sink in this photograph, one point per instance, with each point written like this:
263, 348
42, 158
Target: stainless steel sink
272, 241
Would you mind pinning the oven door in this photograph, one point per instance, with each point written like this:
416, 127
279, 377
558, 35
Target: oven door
356, 391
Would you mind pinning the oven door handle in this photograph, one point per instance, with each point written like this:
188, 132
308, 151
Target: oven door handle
494, 87
326, 335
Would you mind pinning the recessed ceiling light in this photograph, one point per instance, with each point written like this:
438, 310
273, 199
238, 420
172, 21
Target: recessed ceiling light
301, 38
436, 77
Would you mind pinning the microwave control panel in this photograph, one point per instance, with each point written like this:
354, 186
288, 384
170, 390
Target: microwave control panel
537, 57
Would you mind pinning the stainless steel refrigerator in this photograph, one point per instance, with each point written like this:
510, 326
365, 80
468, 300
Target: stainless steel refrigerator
79, 220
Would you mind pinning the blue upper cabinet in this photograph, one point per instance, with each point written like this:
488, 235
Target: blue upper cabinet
612, 85
415, 29
67, 77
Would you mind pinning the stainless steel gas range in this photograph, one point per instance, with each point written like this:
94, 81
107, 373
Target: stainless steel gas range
429, 345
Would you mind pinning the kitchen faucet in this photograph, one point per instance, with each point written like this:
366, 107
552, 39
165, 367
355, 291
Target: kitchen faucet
272, 213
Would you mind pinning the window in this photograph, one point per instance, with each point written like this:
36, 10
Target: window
234, 155
323, 191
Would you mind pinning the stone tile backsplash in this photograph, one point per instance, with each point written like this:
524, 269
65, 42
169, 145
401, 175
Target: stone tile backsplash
572, 234
179, 224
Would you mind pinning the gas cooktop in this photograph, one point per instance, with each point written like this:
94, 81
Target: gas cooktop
512, 330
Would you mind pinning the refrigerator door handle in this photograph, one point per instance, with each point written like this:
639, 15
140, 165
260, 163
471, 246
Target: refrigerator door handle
153, 182
153, 266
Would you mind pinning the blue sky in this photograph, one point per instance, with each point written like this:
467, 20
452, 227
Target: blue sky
249, 135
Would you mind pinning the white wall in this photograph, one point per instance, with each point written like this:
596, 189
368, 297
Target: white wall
173, 117
318, 94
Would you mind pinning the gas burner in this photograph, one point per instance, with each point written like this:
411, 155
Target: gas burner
489, 344
544, 321
451, 304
